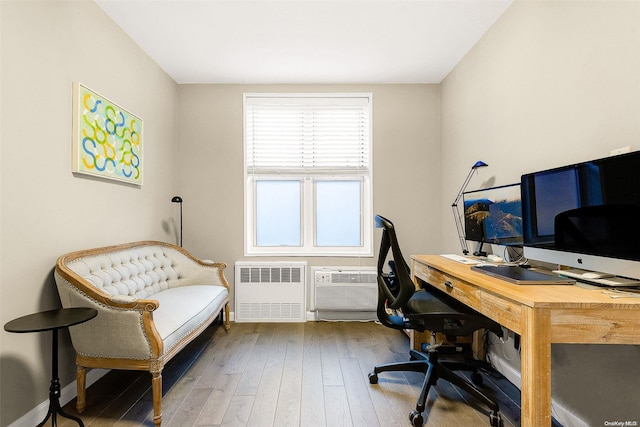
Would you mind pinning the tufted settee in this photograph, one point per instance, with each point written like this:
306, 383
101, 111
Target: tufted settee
152, 298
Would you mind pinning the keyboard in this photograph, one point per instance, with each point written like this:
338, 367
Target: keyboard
461, 259
522, 276
605, 280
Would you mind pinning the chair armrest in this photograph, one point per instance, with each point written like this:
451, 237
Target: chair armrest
202, 272
123, 328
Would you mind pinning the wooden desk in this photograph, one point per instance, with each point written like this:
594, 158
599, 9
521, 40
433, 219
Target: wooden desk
542, 315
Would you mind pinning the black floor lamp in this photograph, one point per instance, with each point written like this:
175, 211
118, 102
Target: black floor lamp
456, 211
178, 199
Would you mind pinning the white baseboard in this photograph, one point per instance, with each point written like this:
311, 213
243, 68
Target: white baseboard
67, 394
562, 414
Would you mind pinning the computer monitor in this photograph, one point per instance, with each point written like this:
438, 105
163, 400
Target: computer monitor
585, 215
494, 215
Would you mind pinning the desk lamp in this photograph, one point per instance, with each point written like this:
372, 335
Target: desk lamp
456, 211
178, 199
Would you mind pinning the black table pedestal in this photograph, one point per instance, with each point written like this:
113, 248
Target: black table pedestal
54, 390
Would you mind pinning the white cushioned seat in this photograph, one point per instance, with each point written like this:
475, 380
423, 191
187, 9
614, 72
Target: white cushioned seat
183, 309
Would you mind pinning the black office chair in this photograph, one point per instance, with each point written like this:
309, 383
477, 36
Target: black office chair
401, 306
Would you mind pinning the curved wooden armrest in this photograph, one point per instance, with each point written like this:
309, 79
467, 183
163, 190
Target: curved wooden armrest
132, 304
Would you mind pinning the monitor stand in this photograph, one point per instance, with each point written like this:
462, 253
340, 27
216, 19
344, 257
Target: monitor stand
479, 251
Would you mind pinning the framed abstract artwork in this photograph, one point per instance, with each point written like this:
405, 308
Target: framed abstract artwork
107, 139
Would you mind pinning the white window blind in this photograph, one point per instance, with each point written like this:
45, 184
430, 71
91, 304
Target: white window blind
307, 135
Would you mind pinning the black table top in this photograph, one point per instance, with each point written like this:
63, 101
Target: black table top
50, 320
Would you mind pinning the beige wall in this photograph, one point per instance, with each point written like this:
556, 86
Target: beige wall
45, 210
552, 83
406, 122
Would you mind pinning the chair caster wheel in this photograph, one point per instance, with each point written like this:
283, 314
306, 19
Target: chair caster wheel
416, 419
476, 379
495, 420
373, 378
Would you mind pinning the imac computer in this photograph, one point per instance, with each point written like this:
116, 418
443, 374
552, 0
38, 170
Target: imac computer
493, 215
585, 215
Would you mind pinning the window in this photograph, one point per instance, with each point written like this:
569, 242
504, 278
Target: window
308, 174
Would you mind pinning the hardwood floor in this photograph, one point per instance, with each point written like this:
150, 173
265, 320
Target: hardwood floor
288, 374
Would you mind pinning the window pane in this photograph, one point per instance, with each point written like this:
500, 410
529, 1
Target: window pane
278, 213
338, 215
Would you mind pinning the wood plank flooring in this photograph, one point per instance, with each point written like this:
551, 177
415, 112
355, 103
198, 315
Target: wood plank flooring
288, 374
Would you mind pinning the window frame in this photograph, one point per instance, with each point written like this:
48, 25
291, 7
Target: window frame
308, 195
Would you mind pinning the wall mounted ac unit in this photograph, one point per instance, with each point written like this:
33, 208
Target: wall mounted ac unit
270, 291
344, 293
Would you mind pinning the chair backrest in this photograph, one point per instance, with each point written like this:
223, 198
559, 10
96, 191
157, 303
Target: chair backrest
444, 314
395, 288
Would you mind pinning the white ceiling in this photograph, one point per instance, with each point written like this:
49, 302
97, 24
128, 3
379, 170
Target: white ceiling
305, 41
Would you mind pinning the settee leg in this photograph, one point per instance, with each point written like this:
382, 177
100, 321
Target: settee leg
226, 317
156, 388
81, 376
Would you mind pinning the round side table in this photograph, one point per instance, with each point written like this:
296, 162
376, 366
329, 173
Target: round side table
52, 321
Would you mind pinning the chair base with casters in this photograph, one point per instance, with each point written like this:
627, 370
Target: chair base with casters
402, 306
434, 369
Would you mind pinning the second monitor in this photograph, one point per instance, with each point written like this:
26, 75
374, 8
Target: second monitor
493, 215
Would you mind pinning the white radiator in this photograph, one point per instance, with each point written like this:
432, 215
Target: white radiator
270, 291
344, 293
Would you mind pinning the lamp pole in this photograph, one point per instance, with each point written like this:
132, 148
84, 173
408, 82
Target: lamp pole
178, 199
454, 206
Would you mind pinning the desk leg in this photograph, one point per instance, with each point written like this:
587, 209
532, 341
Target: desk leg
536, 367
